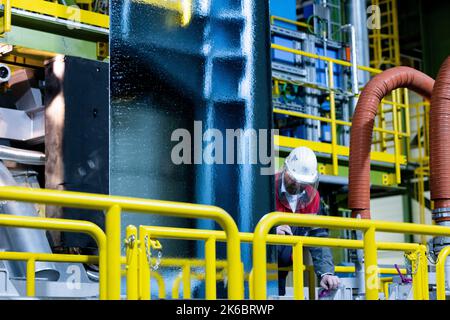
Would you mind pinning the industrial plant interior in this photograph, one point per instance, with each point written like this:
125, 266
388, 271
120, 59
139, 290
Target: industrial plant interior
97, 96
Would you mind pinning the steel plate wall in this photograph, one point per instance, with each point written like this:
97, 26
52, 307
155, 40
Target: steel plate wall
216, 69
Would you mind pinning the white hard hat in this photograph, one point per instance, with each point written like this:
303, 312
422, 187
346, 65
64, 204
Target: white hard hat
301, 165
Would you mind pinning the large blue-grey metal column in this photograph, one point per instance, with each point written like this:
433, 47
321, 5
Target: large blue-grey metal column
164, 76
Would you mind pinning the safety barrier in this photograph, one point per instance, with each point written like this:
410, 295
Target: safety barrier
415, 252
368, 227
137, 261
113, 206
61, 225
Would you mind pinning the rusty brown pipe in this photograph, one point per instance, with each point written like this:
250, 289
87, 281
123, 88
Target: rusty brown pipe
439, 139
362, 128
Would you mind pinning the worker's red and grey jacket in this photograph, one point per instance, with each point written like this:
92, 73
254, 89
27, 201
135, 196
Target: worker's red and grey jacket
321, 256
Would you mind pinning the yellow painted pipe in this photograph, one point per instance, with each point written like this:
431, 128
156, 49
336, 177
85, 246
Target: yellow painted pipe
31, 281
210, 268
440, 273
186, 279
132, 263
297, 261
371, 264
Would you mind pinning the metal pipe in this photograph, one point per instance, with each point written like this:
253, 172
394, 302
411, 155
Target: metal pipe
25, 240
362, 127
22, 156
352, 31
356, 10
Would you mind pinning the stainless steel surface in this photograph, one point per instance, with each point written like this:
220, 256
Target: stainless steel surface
22, 156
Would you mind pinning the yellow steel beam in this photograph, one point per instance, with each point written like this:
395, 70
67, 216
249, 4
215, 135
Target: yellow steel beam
62, 11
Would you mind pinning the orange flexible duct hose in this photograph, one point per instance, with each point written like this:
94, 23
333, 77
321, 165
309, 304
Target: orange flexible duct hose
362, 128
439, 138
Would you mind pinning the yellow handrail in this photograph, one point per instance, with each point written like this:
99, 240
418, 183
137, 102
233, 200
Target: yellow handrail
369, 227
61, 225
113, 205
295, 23
205, 235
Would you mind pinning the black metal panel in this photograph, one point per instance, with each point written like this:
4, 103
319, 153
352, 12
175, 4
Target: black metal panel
77, 135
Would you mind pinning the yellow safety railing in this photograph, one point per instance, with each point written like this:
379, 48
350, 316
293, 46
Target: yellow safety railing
397, 105
414, 251
61, 225
55, 10
368, 227
274, 19
113, 206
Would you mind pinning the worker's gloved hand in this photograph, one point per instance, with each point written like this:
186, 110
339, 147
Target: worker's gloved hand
284, 230
329, 282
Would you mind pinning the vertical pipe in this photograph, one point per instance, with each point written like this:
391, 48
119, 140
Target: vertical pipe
423, 263
297, 262
210, 268
440, 273
186, 276
396, 144
333, 118
144, 267
31, 281
416, 275
132, 263
259, 269
112, 224
370, 264
7, 16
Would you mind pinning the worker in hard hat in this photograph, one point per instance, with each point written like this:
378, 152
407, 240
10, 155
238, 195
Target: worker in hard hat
296, 192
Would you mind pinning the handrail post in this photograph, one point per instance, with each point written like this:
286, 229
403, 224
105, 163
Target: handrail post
112, 222
334, 155
297, 261
210, 268
186, 278
132, 263
31, 278
440, 273
423, 263
144, 267
370, 264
